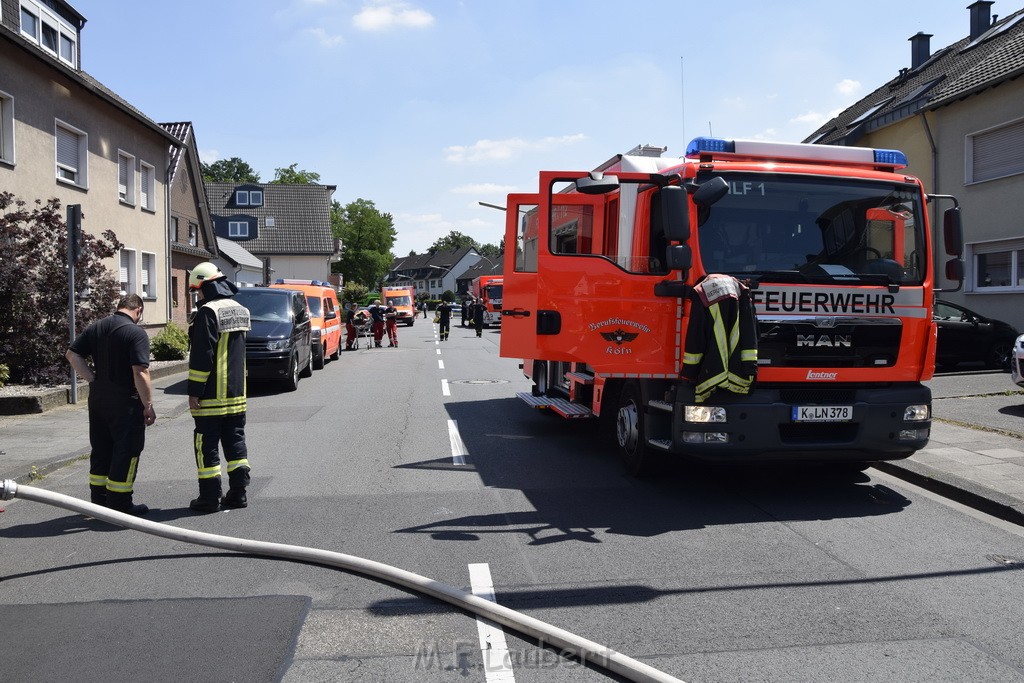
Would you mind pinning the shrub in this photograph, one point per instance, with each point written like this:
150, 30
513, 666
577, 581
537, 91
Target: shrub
5, 374
170, 344
34, 287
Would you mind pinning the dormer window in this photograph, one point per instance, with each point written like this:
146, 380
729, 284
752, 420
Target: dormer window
256, 197
242, 198
49, 30
238, 229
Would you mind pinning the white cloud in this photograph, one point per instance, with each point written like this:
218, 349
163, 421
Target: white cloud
385, 15
847, 87
208, 156
500, 150
483, 189
324, 38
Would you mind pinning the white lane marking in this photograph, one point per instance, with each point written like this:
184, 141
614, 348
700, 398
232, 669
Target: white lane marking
497, 663
444, 388
440, 364
459, 451
438, 351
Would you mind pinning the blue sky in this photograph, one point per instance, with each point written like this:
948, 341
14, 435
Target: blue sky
427, 107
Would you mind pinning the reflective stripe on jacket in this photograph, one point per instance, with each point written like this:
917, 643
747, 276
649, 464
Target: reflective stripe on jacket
721, 338
216, 366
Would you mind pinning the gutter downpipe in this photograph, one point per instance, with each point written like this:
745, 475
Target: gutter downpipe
935, 187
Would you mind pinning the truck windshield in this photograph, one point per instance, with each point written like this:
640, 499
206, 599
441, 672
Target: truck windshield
315, 309
399, 301
494, 291
808, 229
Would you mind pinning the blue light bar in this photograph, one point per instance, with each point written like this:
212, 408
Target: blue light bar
799, 152
892, 157
698, 145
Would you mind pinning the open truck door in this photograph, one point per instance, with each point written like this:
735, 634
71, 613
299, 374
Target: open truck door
589, 254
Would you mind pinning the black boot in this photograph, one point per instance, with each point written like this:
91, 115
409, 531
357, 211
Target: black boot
209, 496
235, 498
122, 502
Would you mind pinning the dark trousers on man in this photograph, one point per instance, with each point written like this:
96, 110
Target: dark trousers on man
212, 433
117, 435
443, 328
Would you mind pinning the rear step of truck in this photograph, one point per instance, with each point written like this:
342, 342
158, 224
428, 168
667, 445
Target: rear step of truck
562, 406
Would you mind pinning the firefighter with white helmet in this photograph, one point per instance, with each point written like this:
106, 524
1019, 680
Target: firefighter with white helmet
216, 389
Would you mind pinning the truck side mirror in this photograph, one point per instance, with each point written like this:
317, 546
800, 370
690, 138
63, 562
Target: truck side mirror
679, 257
597, 183
675, 216
709, 192
955, 270
953, 233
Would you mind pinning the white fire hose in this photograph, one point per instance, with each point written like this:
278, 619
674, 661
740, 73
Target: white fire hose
568, 643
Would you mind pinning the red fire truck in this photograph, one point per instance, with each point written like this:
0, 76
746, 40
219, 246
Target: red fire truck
488, 289
834, 251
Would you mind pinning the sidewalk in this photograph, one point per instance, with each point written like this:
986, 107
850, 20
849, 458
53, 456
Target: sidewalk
32, 445
982, 468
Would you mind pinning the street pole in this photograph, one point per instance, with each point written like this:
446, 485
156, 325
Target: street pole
74, 216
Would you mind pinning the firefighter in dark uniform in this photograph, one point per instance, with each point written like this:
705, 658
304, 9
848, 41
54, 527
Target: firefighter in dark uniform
120, 401
216, 389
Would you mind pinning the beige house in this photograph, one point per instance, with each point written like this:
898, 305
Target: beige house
958, 114
64, 135
190, 229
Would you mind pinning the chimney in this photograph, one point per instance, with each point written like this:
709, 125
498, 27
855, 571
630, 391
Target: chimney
981, 17
920, 49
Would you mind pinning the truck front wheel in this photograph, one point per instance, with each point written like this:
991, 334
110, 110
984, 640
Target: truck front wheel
630, 431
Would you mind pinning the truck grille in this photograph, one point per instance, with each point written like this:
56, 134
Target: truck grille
828, 342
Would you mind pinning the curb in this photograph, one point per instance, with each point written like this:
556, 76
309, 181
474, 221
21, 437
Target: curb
963, 491
61, 396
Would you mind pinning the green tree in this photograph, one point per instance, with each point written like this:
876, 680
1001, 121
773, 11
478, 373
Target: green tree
368, 236
492, 251
291, 176
354, 293
34, 288
453, 241
232, 170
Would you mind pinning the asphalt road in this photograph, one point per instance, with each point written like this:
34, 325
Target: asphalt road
421, 457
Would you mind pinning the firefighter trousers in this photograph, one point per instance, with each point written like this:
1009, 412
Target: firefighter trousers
117, 435
211, 433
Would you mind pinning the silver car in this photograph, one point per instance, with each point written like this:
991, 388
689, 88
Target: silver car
1017, 362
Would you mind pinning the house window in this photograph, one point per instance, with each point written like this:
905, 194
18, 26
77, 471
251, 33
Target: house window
172, 229
126, 177
6, 128
998, 266
72, 154
238, 229
49, 30
146, 174
242, 198
256, 197
995, 153
193, 234
126, 272
148, 276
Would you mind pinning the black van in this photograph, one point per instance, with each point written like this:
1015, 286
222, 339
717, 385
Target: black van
278, 345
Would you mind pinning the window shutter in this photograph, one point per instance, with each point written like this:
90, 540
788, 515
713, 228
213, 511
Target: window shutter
999, 153
122, 177
67, 148
123, 270
146, 180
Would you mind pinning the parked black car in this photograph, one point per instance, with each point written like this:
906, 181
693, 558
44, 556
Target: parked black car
966, 336
278, 345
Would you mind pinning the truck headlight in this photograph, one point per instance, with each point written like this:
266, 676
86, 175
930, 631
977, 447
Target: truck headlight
916, 413
277, 345
703, 414
315, 333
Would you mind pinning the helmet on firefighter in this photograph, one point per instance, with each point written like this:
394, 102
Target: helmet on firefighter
204, 272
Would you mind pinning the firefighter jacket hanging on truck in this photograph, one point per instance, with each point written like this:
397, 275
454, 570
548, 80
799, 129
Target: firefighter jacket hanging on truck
721, 338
